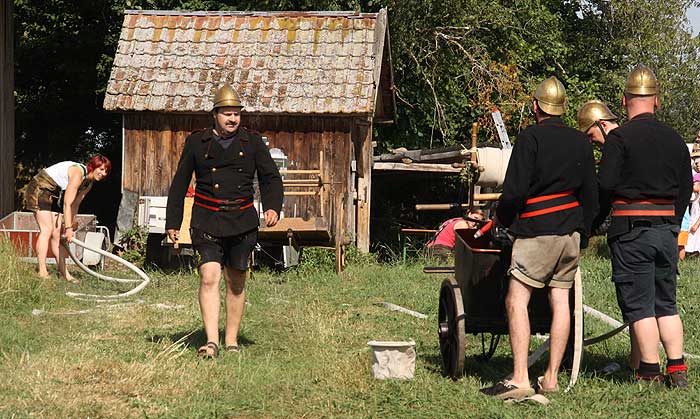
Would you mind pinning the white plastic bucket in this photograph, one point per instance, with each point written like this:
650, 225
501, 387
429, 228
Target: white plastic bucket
393, 359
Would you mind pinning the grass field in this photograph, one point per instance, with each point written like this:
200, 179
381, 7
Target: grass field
304, 350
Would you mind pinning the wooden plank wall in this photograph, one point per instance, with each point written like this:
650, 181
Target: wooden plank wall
364, 152
302, 139
152, 146
7, 110
153, 143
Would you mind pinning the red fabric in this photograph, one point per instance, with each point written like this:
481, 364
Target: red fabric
548, 197
670, 369
643, 213
549, 210
644, 201
206, 198
446, 234
207, 206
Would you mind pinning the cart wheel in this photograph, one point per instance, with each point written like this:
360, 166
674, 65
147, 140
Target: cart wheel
451, 329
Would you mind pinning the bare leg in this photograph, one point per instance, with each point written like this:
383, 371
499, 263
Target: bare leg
235, 303
681, 253
635, 355
45, 219
671, 331
558, 334
519, 329
58, 250
646, 333
209, 300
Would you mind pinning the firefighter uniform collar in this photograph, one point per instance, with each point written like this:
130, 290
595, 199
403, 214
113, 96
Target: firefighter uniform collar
643, 117
552, 120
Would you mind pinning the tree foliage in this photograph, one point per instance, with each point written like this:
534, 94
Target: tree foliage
454, 60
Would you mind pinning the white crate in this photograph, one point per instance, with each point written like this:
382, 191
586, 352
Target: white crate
151, 214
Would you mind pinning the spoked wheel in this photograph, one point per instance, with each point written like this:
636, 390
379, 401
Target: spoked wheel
451, 329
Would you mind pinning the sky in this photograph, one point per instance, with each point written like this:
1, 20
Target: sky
694, 16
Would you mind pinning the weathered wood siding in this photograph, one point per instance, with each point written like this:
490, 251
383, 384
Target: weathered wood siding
153, 143
302, 139
7, 110
152, 146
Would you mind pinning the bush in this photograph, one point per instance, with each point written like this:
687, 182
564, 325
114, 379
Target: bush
134, 242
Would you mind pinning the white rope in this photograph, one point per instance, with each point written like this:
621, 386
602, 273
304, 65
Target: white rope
145, 280
619, 326
578, 330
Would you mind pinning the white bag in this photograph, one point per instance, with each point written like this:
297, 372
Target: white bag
393, 359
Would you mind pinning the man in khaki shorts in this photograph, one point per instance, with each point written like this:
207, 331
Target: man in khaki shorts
549, 200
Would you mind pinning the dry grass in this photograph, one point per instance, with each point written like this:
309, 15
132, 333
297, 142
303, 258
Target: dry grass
304, 353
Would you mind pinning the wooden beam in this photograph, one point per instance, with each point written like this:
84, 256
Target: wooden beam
302, 193
364, 184
417, 167
305, 232
300, 172
418, 230
454, 205
7, 110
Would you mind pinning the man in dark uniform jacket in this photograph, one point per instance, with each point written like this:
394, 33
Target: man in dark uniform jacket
645, 177
224, 224
549, 201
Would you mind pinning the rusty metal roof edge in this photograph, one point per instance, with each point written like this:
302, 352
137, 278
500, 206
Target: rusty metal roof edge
348, 14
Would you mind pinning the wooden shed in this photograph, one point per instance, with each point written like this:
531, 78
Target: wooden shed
313, 83
7, 110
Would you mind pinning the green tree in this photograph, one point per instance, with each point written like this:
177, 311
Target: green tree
620, 34
454, 60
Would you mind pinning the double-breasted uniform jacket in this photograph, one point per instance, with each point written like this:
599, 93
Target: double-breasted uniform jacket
224, 183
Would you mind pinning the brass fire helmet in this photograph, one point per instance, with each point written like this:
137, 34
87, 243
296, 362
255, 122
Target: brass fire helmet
551, 96
592, 112
226, 96
642, 81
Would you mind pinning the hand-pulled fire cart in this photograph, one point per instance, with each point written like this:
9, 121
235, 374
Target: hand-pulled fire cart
473, 301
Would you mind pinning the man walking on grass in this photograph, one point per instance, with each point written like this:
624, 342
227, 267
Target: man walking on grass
224, 159
549, 201
645, 177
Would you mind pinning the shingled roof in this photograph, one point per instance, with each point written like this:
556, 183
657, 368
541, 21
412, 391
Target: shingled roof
280, 62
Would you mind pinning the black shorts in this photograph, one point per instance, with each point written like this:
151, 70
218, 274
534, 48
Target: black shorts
644, 269
232, 251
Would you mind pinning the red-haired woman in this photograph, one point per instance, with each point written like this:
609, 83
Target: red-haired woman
43, 199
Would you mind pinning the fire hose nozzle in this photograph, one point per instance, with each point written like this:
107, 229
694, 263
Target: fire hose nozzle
483, 229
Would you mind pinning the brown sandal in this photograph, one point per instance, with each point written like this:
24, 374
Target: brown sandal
208, 351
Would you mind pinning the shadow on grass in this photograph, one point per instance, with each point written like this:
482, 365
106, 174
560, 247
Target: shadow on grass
499, 366
487, 371
597, 366
195, 340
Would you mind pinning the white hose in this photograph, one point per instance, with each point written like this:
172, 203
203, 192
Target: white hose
145, 280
